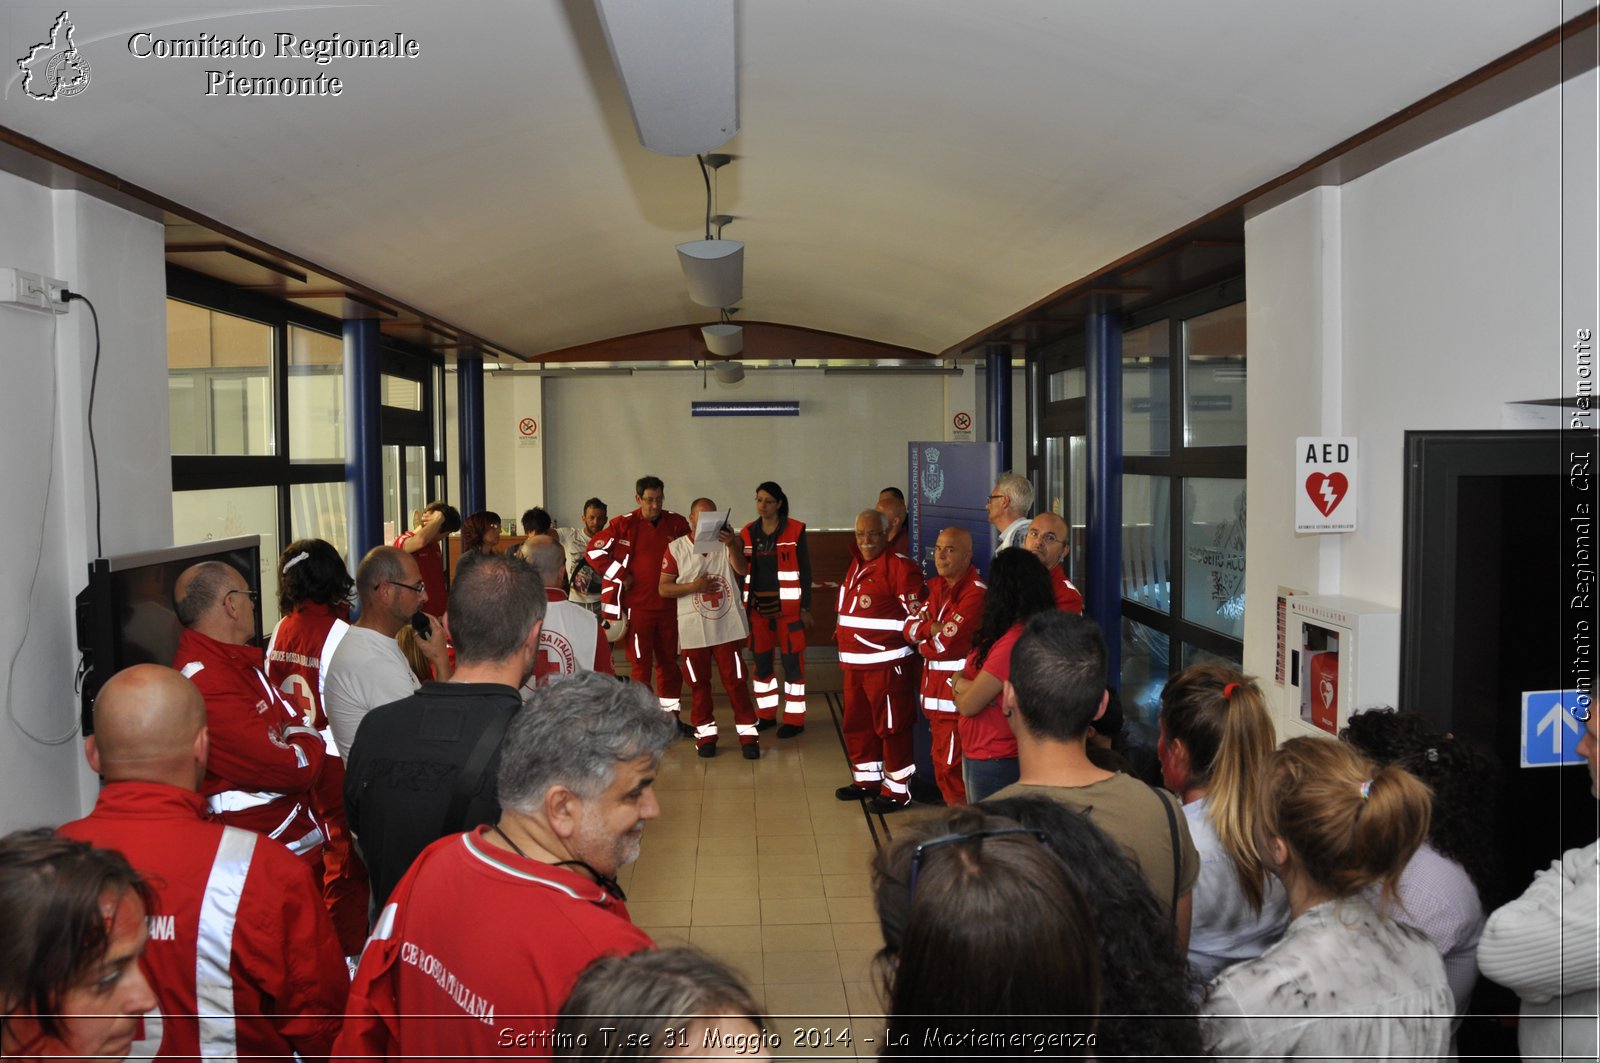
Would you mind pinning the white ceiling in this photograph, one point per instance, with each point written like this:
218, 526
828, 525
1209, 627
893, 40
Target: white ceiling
908, 171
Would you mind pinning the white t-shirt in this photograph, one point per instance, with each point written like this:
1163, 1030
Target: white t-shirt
367, 670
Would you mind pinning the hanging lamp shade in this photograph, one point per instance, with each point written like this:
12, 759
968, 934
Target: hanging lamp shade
714, 270
729, 372
723, 340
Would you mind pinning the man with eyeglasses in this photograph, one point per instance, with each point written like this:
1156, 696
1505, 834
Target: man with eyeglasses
1047, 540
264, 759
368, 669
1008, 507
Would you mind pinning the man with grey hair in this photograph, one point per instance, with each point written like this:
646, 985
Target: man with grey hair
499, 922
264, 760
1009, 505
425, 766
367, 668
571, 640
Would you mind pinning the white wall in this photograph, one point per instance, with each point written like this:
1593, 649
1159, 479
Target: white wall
116, 259
513, 462
601, 433
1423, 295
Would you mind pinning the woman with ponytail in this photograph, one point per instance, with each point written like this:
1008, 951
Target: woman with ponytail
1214, 743
1329, 825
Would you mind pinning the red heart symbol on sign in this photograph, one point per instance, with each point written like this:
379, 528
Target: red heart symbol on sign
1326, 492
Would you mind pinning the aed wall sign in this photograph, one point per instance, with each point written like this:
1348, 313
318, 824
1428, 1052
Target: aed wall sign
1325, 484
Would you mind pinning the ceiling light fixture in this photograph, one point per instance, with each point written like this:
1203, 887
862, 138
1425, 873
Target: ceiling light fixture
713, 267
678, 64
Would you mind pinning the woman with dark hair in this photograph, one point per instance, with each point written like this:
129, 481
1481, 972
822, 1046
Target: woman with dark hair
1330, 825
1147, 997
480, 533
1019, 587
314, 595
72, 926
1215, 737
650, 1005
778, 597
987, 934
1448, 888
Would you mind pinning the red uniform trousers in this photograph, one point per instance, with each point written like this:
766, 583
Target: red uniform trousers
879, 707
346, 890
769, 633
946, 751
697, 666
652, 638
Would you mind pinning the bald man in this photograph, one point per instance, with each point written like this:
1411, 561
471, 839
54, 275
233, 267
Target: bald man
264, 759
1046, 539
571, 640
942, 632
238, 936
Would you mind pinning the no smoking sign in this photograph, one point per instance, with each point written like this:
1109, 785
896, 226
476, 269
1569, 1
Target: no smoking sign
528, 427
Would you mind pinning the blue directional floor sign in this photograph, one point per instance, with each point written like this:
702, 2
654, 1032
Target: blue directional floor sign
1552, 723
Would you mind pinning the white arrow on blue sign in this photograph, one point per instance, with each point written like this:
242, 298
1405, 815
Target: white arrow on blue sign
1551, 727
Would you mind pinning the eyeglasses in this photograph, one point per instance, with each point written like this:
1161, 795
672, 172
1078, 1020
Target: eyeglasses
993, 497
1044, 537
415, 588
950, 839
252, 595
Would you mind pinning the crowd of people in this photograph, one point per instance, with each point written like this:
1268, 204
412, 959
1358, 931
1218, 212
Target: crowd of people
397, 830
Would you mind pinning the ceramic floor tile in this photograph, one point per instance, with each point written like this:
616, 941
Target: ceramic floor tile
658, 913
864, 999
793, 910
832, 863
855, 885
667, 937
749, 965
727, 845
787, 864
811, 937
851, 910
786, 968
856, 936
786, 845
858, 965
856, 841
726, 911
726, 939
778, 887
716, 885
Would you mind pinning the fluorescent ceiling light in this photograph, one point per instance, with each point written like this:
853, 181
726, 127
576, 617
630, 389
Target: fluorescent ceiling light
678, 66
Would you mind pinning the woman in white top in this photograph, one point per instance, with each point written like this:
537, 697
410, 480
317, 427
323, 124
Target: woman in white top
1215, 739
1345, 981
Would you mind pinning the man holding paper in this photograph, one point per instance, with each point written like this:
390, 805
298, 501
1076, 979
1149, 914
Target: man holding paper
702, 573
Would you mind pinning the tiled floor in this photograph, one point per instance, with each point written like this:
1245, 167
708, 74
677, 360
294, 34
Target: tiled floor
758, 863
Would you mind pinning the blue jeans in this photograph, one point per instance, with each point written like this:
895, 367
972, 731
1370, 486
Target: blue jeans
986, 777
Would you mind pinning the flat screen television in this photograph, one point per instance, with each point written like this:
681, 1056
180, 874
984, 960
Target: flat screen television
126, 614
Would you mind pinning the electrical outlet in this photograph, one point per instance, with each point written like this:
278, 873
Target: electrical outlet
18, 287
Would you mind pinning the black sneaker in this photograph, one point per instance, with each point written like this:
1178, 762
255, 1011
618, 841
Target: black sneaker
883, 806
684, 730
707, 750
751, 751
789, 730
852, 792
765, 724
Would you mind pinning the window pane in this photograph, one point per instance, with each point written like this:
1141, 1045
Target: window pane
1146, 416
316, 511
219, 382
201, 515
1068, 384
1078, 516
1146, 539
1055, 476
1193, 655
316, 396
416, 479
1214, 378
1144, 673
400, 392
1213, 554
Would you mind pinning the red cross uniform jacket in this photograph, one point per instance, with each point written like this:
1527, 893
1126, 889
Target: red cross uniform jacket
1068, 600
942, 632
475, 953
298, 654
242, 957
264, 759
631, 544
876, 599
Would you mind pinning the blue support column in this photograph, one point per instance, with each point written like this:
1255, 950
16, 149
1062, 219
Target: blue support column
1103, 595
363, 439
997, 380
469, 397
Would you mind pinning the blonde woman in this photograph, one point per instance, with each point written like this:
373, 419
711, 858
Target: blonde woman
1214, 743
1345, 982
